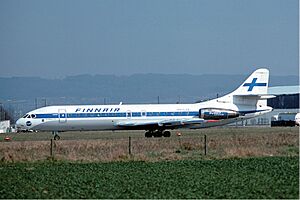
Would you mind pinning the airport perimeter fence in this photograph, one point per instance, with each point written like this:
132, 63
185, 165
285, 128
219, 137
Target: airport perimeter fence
153, 149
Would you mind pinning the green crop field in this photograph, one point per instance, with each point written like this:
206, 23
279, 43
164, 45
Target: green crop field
269, 177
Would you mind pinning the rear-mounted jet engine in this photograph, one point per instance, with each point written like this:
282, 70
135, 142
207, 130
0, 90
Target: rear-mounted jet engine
215, 113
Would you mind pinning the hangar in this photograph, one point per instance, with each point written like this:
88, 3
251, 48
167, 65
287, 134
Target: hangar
287, 97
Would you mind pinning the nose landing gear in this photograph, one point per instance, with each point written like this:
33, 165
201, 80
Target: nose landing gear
56, 136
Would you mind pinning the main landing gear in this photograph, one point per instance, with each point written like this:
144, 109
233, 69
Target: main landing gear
55, 135
157, 133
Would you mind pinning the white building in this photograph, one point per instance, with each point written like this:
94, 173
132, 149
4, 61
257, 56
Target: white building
4, 126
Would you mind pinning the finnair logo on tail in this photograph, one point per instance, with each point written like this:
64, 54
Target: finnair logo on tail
253, 84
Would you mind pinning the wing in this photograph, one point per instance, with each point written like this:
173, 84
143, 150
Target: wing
155, 124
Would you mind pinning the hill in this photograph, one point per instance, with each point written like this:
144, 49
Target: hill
143, 88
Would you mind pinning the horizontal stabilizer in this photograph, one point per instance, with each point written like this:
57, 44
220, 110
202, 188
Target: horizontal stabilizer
256, 96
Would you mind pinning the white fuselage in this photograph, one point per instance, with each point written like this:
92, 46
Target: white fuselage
109, 117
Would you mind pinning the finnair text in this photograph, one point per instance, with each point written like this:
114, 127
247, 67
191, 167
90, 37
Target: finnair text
97, 110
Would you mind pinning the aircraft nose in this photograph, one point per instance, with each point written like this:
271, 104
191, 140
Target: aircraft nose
20, 123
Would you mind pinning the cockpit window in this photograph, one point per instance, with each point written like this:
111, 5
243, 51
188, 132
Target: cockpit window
25, 116
28, 116
33, 116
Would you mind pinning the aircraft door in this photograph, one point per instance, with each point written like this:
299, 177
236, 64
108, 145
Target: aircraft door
128, 114
143, 113
62, 115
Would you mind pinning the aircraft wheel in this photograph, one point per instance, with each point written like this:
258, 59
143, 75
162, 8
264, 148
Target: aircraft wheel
158, 134
56, 137
166, 133
148, 134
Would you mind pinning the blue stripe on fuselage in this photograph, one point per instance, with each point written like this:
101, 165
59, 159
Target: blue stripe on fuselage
101, 115
124, 114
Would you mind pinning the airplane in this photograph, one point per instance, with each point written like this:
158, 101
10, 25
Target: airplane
247, 101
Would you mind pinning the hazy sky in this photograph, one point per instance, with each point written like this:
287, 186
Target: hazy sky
57, 38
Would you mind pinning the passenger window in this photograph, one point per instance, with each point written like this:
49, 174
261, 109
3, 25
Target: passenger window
33, 116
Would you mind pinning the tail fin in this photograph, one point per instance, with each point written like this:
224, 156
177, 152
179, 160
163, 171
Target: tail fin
256, 84
253, 91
